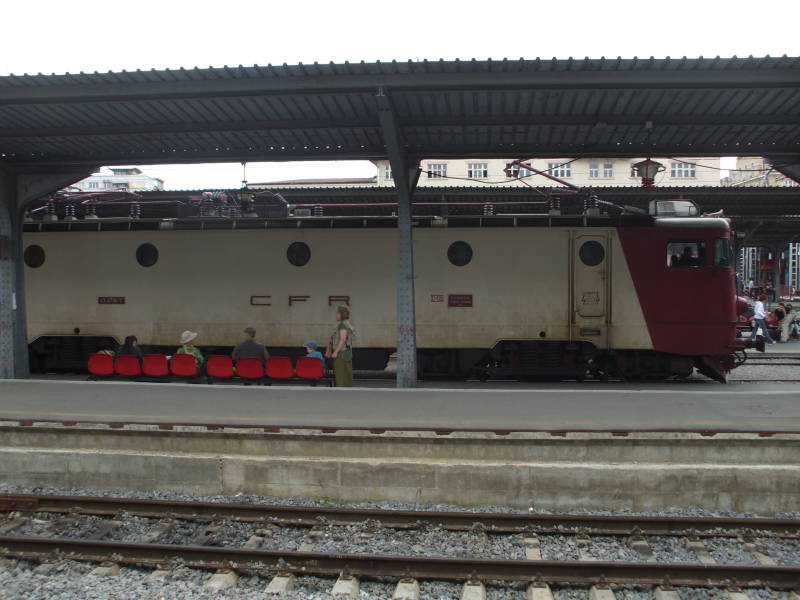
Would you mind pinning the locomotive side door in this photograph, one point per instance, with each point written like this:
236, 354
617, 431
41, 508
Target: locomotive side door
591, 258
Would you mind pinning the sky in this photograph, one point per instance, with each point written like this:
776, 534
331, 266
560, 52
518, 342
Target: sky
90, 35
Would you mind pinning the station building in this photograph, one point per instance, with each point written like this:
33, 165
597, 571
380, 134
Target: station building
583, 172
130, 179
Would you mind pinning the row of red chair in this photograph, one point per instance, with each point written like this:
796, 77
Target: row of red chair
218, 367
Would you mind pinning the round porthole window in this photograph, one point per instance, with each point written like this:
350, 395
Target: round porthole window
592, 253
147, 255
459, 253
34, 256
298, 253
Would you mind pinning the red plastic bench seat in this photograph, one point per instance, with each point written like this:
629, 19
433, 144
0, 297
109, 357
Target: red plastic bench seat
127, 365
155, 365
183, 365
250, 368
310, 368
101, 365
279, 367
219, 367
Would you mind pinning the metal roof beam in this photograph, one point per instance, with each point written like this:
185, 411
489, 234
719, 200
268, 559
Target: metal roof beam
596, 121
789, 166
181, 156
104, 91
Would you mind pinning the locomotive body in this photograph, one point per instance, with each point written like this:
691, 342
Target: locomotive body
563, 299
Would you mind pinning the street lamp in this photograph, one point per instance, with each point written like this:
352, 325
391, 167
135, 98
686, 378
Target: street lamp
647, 170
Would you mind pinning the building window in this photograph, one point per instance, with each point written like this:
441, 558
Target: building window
608, 170
517, 171
437, 170
120, 186
681, 170
560, 169
93, 185
387, 172
477, 170
107, 185
594, 170
634, 171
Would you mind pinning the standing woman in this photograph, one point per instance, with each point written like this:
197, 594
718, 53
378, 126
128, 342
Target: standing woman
340, 348
758, 319
786, 324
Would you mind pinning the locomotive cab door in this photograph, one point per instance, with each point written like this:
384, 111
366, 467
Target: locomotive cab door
590, 276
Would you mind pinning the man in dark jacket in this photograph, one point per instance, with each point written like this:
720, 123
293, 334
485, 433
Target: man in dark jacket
249, 348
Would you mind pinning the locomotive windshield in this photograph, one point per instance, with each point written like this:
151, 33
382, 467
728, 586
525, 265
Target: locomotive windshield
723, 254
686, 253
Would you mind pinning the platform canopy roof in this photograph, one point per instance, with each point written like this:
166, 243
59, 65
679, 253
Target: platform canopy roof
487, 108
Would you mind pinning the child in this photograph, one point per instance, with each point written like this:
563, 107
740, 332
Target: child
312, 350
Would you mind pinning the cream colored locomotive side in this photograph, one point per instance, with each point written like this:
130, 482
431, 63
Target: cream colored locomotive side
524, 283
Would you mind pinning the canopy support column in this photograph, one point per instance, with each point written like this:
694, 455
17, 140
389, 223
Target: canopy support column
16, 192
406, 174
9, 298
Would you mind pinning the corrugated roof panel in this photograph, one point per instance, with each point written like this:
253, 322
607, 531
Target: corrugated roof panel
435, 116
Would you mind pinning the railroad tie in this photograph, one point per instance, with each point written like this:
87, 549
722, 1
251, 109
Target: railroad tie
533, 547
308, 544
346, 585
12, 525
737, 595
763, 559
281, 583
156, 532
253, 542
639, 543
103, 530
538, 591
697, 546
160, 573
407, 589
106, 569
473, 590
601, 592
584, 541
223, 579
663, 593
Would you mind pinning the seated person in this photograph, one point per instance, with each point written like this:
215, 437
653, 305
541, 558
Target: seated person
188, 348
687, 259
130, 346
312, 351
107, 350
249, 348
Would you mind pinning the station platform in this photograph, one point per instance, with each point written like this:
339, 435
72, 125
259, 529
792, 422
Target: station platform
750, 407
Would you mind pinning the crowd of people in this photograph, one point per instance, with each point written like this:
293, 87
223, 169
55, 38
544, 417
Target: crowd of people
783, 315
339, 350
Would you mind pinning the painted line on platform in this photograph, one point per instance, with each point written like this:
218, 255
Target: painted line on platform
200, 420
364, 390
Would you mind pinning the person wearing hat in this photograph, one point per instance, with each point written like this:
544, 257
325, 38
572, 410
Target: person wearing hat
312, 351
249, 348
188, 348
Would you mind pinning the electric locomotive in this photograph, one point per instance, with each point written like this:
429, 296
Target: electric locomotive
630, 295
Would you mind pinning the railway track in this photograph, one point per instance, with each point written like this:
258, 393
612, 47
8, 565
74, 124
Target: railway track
100, 517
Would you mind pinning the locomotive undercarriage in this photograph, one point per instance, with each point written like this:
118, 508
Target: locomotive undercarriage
508, 359
537, 359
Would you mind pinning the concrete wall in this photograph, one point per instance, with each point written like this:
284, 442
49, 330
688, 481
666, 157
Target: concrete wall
593, 471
